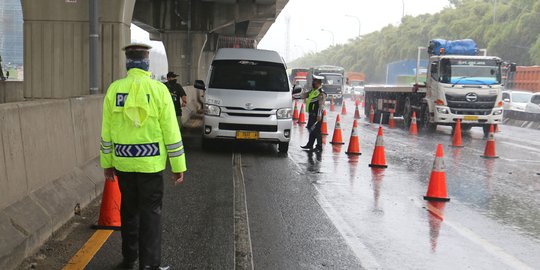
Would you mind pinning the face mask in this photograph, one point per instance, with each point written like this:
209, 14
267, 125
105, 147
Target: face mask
143, 64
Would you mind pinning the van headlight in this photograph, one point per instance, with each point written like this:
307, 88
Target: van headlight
212, 110
497, 112
284, 113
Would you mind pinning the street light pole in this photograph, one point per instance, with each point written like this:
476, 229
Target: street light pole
403, 9
333, 40
358, 20
314, 42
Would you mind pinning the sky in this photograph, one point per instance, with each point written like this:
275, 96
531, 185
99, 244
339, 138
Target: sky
339, 18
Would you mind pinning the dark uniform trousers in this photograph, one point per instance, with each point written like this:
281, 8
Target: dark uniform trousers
140, 212
315, 131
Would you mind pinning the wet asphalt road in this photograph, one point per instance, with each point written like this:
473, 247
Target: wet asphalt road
329, 211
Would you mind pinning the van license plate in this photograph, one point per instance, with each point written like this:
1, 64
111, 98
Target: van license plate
470, 118
247, 135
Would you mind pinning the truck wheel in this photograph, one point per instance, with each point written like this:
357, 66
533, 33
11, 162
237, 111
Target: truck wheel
466, 127
426, 123
283, 147
407, 113
486, 130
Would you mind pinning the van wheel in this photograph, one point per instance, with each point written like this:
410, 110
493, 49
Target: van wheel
283, 147
486, 130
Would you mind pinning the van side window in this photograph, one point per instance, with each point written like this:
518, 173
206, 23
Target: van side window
536, 99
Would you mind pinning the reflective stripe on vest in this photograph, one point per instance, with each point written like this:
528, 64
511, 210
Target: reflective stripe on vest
136, 150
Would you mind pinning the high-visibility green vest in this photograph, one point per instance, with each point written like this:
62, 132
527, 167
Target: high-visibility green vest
140, 128
312, 101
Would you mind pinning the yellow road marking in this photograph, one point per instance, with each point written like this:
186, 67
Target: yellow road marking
87, 252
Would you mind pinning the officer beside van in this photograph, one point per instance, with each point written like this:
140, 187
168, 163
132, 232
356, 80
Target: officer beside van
315, 102
139, 131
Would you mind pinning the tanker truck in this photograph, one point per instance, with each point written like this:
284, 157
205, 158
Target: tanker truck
462, 82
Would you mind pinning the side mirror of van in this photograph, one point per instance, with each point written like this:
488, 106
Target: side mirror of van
199, 84
297, 89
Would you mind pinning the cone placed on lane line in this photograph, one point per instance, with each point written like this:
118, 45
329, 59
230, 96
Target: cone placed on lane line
337, 137
343, 108
391, 121
332, 108
379, 160
371, 114
295, 111
354, 144
437, 182
489, 151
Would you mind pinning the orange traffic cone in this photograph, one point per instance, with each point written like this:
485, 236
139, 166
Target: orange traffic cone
302, 117
109, 214
356, 112
413, 129
497, 130
371, 114
337, 138
332, 105
295, 112
343, 108
324, 125
456, 141
391, 121
378, 160
437, 182
354, 144
489, 152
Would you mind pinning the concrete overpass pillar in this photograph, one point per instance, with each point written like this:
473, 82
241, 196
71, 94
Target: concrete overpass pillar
56, 45
184, 51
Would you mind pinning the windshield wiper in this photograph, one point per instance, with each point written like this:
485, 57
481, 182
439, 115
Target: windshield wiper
458, 80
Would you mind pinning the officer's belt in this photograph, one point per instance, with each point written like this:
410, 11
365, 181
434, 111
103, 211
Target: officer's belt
136, 150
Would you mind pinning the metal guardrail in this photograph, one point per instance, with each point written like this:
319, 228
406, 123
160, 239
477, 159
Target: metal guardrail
523, 116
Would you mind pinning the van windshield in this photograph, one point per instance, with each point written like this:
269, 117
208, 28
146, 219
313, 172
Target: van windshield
249, 75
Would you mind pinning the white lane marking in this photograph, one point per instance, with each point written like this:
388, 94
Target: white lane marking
534, 149
361, 251
495, 250
243, 251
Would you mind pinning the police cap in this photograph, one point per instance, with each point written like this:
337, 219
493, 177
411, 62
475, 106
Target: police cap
137, 47
319, 78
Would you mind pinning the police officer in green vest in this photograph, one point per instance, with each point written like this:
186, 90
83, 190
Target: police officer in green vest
315, 101
139, 132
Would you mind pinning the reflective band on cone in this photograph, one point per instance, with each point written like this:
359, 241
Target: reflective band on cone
489, 151
354, 144
356, 112
379, 160
337, 138
413, 129
437, 182
343, 108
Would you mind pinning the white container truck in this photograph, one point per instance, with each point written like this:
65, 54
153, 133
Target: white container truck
460, 84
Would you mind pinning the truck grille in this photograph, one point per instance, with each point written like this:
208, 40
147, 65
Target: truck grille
267, 128
459, 105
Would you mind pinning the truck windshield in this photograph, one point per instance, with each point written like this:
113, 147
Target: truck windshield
357, 83
249, 75
470, 71
333, 80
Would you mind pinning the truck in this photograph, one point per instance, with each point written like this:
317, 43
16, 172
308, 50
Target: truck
523, 78
298, 77
333, 83
462, 82
354, 83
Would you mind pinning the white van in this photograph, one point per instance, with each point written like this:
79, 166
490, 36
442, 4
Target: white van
248, 97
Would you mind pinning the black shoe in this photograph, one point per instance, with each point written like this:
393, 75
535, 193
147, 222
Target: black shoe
126, 265
318, 149
307, 147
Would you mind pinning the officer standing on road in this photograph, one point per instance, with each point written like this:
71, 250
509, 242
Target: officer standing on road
139, 131
177, 93
315, 100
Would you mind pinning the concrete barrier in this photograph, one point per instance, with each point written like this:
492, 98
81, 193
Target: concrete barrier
522, 119
48, 164
11, 91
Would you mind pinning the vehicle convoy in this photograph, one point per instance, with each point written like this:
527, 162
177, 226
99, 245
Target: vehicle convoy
354, 83
333, 83
515, 100
248, 98
460, 84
